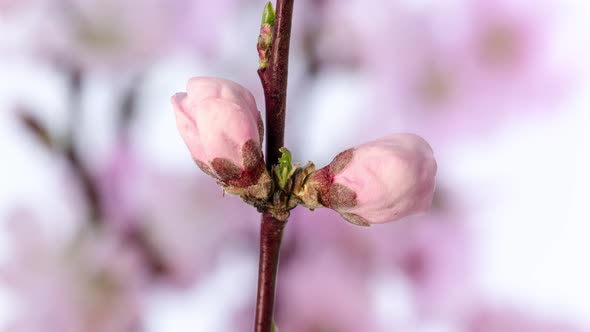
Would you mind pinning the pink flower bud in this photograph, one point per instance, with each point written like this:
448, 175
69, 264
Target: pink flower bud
221, 126
380, 181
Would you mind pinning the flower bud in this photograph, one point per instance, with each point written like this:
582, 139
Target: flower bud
380, 181
265, 37
222, 128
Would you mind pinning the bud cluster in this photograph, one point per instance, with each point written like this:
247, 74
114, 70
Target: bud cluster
380, 181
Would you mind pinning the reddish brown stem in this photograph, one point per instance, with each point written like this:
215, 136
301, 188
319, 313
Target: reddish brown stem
271, 233
274, 84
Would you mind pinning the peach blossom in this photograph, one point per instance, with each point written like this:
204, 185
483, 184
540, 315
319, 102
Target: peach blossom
380, 181
222, 129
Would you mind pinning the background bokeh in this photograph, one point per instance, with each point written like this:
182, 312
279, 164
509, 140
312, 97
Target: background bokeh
108, 226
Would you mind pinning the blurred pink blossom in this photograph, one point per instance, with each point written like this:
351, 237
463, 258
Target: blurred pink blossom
189, 224
322, 231
449, 69
202, 23
329, 31
7, 6
119, 182
118, 36
108, 34
182, 219
321, 293
485, 318
432, 253
92, 282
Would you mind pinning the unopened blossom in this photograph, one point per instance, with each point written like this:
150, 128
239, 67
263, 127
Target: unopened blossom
222, 128
380, 181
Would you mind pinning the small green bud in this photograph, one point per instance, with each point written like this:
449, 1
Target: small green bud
268, 15
285, 168
285, 160
266, 35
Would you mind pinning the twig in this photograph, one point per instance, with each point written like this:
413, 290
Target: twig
72, 155
274, 84
271, 233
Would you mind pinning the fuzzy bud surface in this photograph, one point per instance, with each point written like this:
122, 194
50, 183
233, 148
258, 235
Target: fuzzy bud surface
377, 182
222, 128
